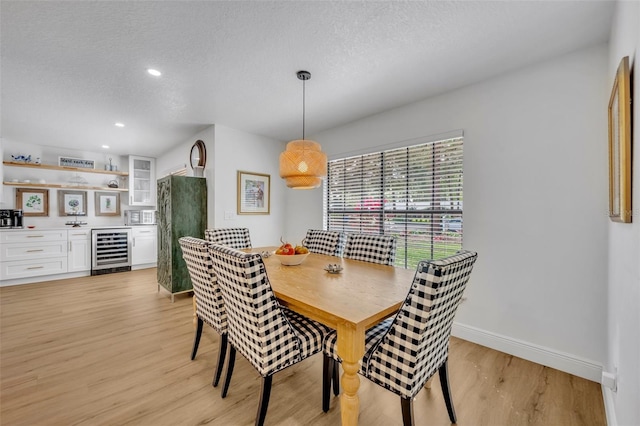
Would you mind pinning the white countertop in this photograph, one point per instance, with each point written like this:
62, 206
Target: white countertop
56, 228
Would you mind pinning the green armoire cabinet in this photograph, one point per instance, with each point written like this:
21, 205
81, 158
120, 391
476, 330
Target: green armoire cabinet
182, 212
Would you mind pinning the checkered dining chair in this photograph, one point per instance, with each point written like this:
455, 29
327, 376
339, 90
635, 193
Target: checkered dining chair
402, 353
324, 242
237, 238
270, 336
209, 305
371, 248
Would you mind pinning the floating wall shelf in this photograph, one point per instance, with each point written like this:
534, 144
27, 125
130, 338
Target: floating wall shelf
64, 168
63, 185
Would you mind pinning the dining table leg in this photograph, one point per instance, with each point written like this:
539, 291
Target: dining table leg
350, 349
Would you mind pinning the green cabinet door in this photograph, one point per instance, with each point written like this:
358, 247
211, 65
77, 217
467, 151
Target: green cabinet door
182, 212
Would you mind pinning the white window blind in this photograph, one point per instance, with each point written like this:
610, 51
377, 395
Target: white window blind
414, 193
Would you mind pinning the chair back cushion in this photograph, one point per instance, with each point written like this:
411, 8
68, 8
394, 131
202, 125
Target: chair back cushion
237, 238
257, 327
417, 343
324, 242
209, 304
371, 248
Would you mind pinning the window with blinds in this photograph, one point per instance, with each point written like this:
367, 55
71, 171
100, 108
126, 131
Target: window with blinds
414, 193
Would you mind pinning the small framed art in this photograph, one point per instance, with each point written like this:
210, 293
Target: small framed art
620, 145
254, 193
33, 202
72, 203
107, 203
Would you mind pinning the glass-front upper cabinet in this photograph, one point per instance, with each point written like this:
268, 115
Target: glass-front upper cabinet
142, 181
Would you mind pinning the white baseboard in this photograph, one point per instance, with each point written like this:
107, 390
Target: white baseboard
568, 363
609, 407
42, 278
144, 266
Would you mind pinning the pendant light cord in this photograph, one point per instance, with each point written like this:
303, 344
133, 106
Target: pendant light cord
303, 106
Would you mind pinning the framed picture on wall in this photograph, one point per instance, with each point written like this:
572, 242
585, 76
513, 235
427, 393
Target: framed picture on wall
107, 203
620, 145
72, 203
32, 201
254, 193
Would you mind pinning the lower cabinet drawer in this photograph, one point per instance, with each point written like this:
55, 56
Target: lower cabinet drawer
31, 268
27, 251
33, 236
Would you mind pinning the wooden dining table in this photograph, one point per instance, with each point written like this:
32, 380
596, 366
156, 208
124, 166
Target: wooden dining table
351, 301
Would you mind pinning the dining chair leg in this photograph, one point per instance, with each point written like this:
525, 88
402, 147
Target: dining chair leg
230, 365
222, 352
407, 411
446, 390
196, 339
336, 378
327, 375
264, 400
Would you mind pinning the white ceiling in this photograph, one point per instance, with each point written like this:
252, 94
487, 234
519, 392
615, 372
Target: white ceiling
70, 70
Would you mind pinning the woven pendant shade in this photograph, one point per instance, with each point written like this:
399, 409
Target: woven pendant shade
303, 164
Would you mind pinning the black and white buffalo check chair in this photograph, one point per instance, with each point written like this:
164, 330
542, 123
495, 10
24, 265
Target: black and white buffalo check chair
371, 248
208, 298
402, 353
237, 238
270, 336
324, 242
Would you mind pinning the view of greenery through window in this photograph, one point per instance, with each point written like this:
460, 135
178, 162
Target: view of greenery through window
414, 193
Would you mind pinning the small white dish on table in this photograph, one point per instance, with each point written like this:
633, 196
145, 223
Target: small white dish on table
333, 268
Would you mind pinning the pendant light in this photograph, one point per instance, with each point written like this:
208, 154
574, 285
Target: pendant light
303, 164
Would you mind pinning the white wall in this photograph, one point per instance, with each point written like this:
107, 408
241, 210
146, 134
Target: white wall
230, 150
624, 247
49, 155
535, 191
238, 150
179, 157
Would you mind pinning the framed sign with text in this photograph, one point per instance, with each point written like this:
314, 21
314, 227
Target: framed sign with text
76, 162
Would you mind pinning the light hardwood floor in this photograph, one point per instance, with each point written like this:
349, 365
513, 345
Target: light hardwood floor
110, 350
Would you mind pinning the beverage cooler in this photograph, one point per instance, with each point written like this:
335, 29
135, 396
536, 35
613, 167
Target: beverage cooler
111, 250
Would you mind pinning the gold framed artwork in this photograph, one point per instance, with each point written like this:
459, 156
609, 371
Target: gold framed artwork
32, 201
254, 193
620, 145
72, 203
107, 203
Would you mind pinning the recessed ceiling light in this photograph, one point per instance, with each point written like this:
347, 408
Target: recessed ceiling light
119, 125
105, 146
154, 73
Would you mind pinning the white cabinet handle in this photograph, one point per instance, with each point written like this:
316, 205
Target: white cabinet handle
70, 245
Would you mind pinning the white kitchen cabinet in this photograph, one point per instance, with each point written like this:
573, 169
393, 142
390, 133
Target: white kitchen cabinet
79, 255
142, 181
32, 253
30, 250
32, 268
33, 236
144, 249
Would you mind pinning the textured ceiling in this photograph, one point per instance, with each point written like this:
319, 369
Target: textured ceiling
70, 70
